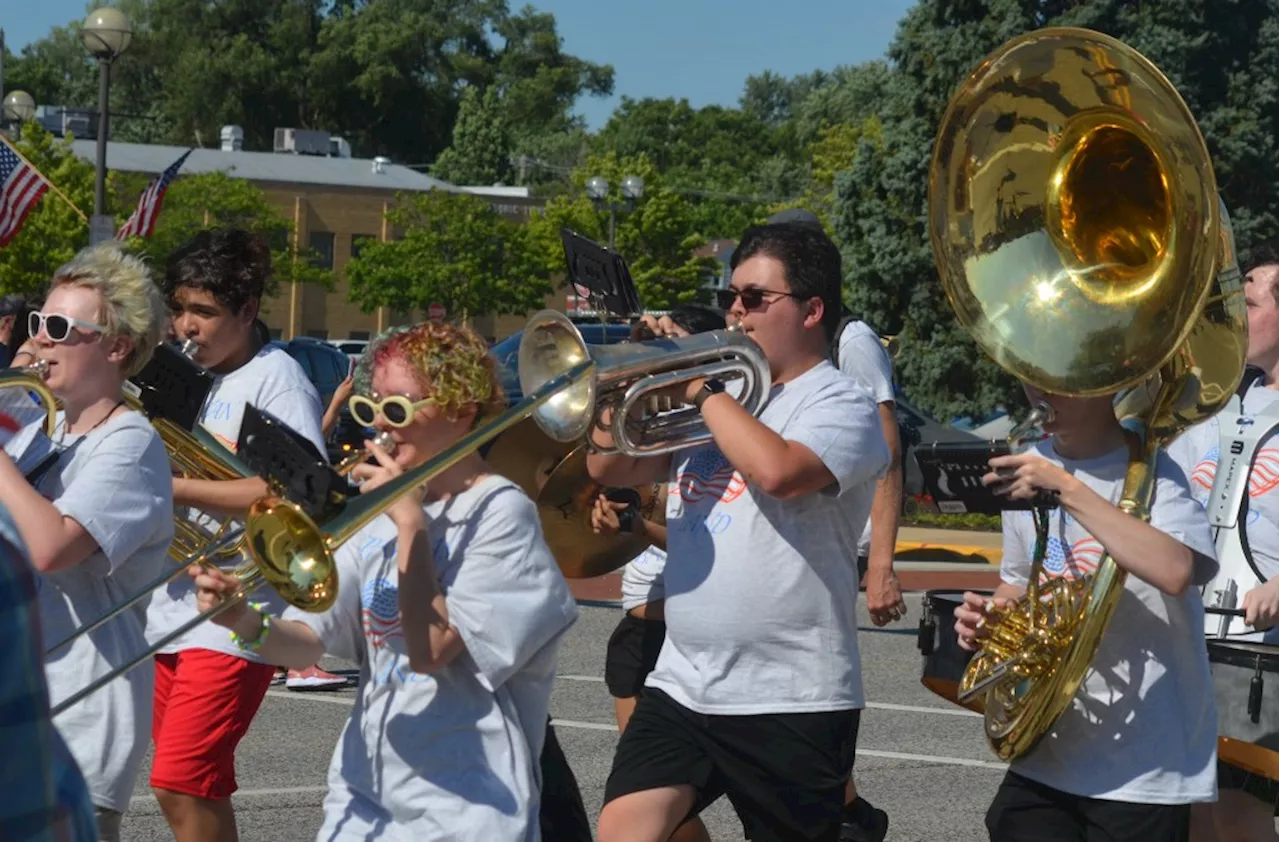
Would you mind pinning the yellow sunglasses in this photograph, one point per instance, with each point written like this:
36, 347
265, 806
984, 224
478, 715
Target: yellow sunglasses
397, 409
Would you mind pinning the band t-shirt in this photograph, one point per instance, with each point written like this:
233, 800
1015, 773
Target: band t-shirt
272, 381
642, 578
863, 357
1142, 728
761, 591
1197, 451
115, 482
453, 755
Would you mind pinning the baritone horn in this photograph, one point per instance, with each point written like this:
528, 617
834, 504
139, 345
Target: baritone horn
627, 375
31, 378
1074, 219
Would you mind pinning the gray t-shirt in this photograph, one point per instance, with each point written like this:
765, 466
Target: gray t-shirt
761, 592
452, 755
1146, 703
863, 357
115, 482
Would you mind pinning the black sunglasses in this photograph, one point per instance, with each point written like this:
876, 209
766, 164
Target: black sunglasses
752, 297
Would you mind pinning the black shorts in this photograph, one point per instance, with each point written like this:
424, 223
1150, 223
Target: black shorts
1030, 811
631, 655
784, 773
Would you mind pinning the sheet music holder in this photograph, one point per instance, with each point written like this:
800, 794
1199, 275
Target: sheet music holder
171, 386
602, 273
952, 474
291, 464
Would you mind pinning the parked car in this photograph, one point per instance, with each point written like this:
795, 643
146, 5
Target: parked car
326, 367
351, 347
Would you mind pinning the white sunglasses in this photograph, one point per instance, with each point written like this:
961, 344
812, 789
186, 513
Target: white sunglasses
57, 326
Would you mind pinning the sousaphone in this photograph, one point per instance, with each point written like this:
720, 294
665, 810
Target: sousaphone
1076, 226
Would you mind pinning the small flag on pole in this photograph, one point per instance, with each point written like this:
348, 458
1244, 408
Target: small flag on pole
21, 186
143, 220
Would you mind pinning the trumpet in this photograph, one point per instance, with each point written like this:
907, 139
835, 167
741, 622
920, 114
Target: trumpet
222, 544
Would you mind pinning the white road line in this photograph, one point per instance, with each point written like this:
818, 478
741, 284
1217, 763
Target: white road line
595, 679
314, 697
585, 726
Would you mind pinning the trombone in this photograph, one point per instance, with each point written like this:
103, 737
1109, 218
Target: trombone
290, 552
223, 543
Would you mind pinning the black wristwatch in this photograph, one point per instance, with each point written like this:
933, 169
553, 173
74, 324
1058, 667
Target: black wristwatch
709, 388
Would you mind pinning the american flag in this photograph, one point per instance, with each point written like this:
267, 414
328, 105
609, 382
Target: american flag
1265, 474
21, 186
381, 601
143, 220
709, 474
1074, 561
1203, 473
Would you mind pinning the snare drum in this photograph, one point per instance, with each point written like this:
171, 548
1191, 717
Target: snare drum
1244, 688
944, 660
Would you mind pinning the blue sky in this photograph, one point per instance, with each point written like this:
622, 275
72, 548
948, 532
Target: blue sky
700, 50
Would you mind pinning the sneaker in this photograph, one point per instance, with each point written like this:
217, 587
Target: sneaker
314, 678
872, 830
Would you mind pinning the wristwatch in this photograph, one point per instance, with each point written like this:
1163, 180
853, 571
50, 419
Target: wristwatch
709, 388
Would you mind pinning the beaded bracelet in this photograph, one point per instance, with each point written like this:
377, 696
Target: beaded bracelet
265, 629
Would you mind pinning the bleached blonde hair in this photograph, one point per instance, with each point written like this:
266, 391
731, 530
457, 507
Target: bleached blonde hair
132, 303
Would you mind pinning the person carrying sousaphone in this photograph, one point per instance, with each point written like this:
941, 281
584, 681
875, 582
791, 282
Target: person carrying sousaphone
450, 601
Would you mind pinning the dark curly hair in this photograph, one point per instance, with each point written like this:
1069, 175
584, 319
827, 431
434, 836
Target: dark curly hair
231, 264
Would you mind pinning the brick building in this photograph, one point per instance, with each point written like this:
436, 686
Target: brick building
335, 202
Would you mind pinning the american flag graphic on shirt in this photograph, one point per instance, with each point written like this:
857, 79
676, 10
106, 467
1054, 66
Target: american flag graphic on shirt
1263, 477
708, 475
380, 600
1072, 560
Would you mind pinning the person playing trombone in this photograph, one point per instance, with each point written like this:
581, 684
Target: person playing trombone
96, 514
451, 603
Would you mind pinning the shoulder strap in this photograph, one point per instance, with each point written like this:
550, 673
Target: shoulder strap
835, 340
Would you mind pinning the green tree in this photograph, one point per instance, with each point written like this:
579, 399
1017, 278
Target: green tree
385, 75
481, 148
213, 200
1223, 61
654, 236
455, 249
53, 232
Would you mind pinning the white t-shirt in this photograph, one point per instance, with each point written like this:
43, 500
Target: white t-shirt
1196, 451
274, 382
454, 755
863, 357
115, 482
1142, 727
642, 578
761, 592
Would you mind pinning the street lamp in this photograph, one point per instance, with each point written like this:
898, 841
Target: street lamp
19, 106
106, 34
598, 192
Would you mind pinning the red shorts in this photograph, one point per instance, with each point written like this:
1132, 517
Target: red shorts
203, 705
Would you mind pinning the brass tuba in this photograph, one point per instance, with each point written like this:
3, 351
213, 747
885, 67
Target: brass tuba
1075, 223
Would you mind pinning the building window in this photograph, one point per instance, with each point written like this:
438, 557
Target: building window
359, 334
322, 249
276, 333
358, 242
318, 334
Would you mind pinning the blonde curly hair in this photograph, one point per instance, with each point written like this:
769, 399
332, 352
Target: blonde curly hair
132, 303
451, 363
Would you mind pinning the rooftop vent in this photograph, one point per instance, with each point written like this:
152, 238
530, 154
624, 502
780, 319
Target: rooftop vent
380, 164
232, 138
302, 142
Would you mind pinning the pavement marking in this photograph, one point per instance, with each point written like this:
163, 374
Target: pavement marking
595, 679
585, 726
313, 697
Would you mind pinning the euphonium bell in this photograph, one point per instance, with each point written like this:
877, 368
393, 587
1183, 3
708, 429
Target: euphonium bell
628, 374
31, 378
1075, 223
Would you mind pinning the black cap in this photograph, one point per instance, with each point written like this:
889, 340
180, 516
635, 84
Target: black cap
797, 216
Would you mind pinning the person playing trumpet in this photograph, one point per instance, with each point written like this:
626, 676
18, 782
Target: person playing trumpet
451, 603
96, 514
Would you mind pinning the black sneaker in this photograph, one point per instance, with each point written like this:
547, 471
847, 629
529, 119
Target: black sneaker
873, 830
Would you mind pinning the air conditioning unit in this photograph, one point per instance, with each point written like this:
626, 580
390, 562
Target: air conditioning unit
302, 141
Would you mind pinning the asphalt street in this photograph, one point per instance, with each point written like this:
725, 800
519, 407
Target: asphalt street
920, 758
